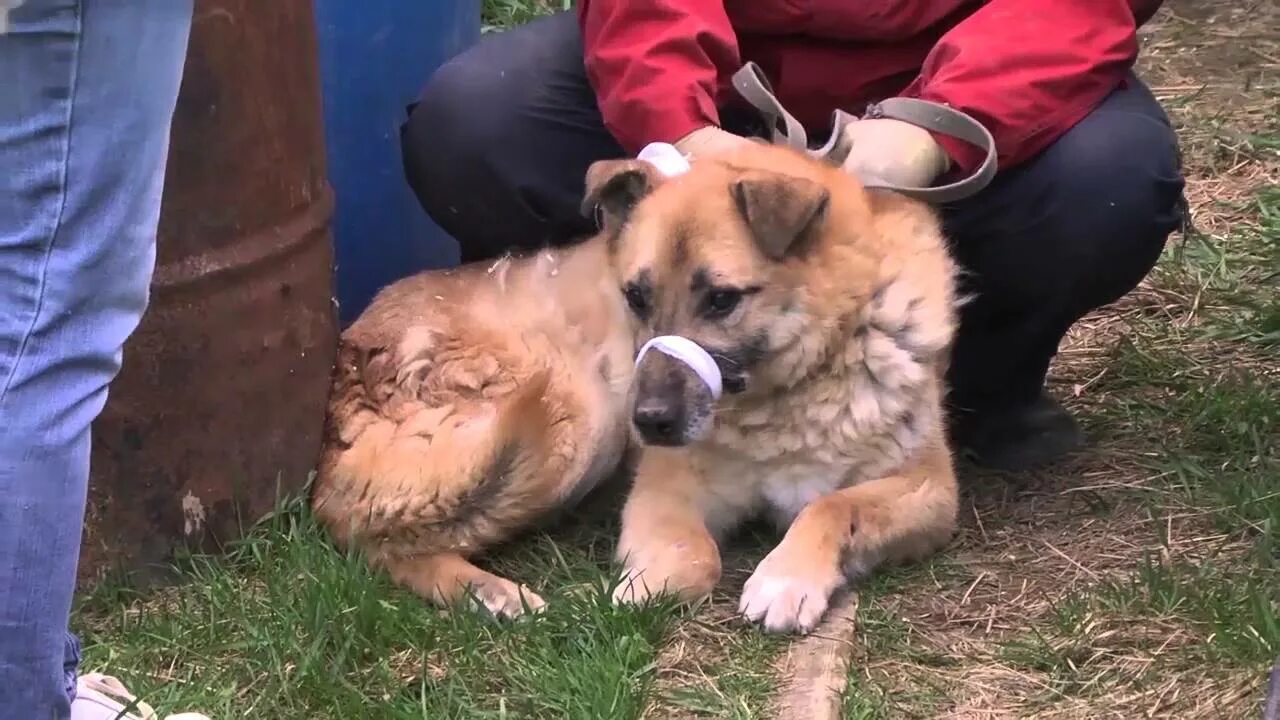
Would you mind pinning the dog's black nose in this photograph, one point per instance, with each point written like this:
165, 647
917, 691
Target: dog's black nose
658, 421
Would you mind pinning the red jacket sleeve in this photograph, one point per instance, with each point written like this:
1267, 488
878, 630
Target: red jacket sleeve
1030, 69
655, 65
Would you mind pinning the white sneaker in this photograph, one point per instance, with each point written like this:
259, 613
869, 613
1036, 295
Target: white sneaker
102, 697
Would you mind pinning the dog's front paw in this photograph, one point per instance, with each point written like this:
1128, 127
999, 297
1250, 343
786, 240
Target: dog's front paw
689, 571
789, 591
505, 599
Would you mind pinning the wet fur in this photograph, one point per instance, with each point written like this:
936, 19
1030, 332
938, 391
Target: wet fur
468, 404
835, 426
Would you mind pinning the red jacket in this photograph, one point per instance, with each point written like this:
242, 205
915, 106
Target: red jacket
1027, 69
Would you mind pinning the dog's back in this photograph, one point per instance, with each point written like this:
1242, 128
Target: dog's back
466, 404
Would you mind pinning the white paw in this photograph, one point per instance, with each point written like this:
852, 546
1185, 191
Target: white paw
505, 599
786, 596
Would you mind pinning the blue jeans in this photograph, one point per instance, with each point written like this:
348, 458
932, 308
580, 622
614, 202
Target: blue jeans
86, 102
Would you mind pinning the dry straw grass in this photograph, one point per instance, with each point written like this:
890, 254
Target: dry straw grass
1001, 627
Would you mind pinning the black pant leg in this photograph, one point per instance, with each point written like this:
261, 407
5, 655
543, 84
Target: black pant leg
498, 146
1072, 230
499, 143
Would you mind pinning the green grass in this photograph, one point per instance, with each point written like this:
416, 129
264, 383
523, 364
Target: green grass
497, 15
1208, 396
1163, 619
1207, 399
882, 633
286, 627
1233, 604
1240, 278
1197, 407
1222, 454
741, 676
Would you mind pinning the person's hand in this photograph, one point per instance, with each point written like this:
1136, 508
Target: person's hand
708, 141
893, 151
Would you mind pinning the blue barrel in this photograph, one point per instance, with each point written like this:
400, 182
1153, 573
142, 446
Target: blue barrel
375, 56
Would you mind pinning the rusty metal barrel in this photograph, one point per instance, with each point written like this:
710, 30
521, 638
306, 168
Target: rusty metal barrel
220, 405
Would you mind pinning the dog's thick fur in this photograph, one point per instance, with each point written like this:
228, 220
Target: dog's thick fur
830, 311
467, 404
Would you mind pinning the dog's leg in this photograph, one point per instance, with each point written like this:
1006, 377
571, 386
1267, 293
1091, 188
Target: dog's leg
846, 534
450, 580
665, 545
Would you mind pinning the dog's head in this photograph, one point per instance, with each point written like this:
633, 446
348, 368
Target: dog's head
728, 256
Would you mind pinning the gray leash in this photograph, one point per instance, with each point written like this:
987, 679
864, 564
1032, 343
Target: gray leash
753, 86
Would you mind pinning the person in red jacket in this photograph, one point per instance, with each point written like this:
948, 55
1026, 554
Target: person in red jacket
1088, 190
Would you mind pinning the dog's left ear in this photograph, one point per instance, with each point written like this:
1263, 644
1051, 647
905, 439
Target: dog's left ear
782, 212
613, 187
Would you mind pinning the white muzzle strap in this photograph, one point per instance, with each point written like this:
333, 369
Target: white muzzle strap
690, 353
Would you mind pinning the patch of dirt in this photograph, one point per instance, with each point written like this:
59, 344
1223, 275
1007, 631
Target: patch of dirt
1216, 68
718, 645
1029, 545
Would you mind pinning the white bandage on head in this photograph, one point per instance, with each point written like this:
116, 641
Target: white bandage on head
664, 156
690, 353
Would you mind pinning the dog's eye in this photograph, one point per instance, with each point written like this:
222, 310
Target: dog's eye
721, 302
637, 300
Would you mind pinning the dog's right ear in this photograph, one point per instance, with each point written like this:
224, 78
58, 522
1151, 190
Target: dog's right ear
782, 212
613, 187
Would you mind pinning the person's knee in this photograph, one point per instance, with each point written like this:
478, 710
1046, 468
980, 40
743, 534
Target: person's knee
458, 152
460, 118
470, 123
478, 147
1117, 181
497, 146
1113, 197
1080, 225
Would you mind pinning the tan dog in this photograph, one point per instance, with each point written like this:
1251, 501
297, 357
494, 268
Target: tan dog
468, 404
829, 310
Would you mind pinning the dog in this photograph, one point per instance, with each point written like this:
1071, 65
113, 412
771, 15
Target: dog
469, 404
829, 310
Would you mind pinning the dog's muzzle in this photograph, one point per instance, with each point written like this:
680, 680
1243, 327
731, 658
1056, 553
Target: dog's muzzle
675, 398
690, 353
